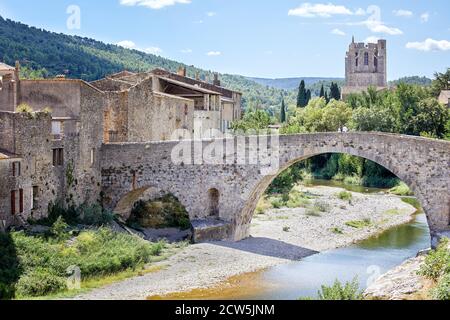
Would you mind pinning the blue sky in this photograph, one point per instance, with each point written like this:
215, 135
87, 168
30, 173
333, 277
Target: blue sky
265, 38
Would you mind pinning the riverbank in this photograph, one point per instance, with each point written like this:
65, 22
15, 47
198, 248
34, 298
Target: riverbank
279, 236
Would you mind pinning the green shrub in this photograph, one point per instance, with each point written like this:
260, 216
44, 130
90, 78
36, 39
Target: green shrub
401, 190
437, 262
277, 203
349, 291
353, 180
313, 212
59, 229
359, 224
344, 195
322, 206
94, 215
337, 230
442, 290
44, 261
39, 282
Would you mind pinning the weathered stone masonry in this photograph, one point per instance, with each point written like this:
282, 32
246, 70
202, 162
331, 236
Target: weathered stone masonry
421, 163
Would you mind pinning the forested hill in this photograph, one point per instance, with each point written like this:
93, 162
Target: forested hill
293, 83
46, 54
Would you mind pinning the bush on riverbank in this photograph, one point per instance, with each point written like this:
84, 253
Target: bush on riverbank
401, 190
437, 268
36, 265
339, 291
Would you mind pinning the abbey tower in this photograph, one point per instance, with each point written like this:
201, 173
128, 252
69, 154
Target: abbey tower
365, 66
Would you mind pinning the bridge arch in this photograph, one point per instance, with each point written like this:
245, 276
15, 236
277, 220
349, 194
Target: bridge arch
423, 164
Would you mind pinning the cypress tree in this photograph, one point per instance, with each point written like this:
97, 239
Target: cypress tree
308, 96
283, 112
322, 92
301, 98
335, 92
326, 97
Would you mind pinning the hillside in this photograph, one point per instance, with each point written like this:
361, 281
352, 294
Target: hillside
292, 83
47, 54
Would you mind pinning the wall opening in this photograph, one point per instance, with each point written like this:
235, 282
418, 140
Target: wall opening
213, 203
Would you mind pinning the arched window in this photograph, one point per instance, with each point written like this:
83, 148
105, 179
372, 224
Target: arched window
366, 58
213, 203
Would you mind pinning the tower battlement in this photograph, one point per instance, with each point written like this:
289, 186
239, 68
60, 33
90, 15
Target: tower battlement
365, 66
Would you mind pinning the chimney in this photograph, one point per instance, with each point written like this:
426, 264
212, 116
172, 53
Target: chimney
216, 81
182, 71
17, 71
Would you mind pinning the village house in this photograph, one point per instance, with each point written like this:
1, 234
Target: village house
51, 153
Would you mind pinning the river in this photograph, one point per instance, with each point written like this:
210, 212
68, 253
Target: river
365, 261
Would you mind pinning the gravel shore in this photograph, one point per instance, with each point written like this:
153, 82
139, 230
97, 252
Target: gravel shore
278, 236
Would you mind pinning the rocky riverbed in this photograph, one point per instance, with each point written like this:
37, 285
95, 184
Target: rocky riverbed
278, 236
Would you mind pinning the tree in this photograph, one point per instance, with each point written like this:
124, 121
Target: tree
335, 92
302, 99
308, 96
431, 119
283, 112
442, 82
336, 116
257, 121
322, 92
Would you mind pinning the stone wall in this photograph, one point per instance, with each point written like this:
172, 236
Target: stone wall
60, 95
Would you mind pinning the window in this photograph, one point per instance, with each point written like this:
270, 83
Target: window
16, 169
57, 129
214, 197
113, 136
58, 157
357, 61
366, 58
35, 197
16, 201
21, 200
13, 202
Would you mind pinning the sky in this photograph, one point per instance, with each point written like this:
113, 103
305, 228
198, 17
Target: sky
260, 38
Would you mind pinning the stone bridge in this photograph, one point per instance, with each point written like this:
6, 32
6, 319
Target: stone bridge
226, 185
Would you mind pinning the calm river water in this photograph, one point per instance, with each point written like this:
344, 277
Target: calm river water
365, 260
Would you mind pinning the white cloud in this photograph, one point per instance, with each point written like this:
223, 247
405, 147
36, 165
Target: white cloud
403, 13
430, 45
371, 39
424, 17
308, 10
211, 14
153, 4
128, 44
186, 50
379, 27
153, 50
338, 32
214, 53
360, 12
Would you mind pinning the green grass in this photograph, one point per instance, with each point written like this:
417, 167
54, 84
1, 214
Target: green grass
322, 206
359, 224
34, 266
401, 190
337, 230
313, 212
345, 196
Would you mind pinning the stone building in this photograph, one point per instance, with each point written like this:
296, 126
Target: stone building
51, 153
365, 66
